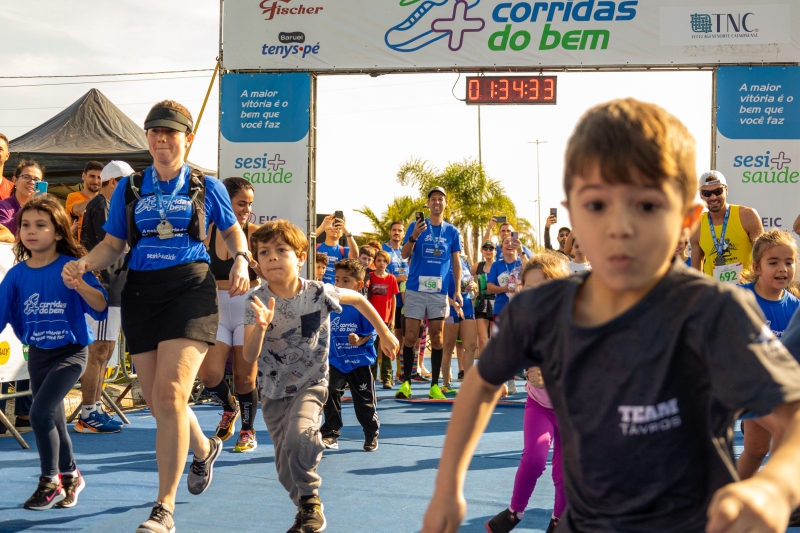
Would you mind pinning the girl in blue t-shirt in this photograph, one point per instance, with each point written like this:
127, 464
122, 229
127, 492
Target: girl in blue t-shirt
773, 269
48, 314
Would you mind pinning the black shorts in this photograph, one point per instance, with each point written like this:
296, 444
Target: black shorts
487, 314
170, 303
399, 319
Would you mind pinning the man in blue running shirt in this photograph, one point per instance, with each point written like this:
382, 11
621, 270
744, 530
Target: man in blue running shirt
433, 246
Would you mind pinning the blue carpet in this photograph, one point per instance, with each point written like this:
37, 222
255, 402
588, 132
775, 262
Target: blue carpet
384, 491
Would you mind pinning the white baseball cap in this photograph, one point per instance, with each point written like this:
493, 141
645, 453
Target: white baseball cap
115, 169
713, 177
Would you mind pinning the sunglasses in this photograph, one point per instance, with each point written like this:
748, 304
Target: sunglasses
563, 235
716, 192
487, 249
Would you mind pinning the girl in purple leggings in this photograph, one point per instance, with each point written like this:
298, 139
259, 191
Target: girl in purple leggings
540, 427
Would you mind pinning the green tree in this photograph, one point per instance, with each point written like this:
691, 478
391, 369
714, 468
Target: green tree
401, 208
472, 198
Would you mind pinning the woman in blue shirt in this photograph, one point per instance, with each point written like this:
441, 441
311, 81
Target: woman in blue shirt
773, 269
169, 304
48, 314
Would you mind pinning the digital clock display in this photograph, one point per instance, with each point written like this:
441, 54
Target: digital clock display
485, 90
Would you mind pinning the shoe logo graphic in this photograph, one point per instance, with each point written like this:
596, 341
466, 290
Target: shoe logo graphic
458, 25
414, 33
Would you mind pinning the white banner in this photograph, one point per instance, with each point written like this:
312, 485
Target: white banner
758, 140
315, 35
264, 124
13, 362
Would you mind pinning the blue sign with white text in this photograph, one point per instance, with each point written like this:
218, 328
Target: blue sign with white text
265, 107
758, 102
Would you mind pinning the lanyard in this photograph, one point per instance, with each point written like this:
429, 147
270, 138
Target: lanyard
435, 238
162, 211
719, 243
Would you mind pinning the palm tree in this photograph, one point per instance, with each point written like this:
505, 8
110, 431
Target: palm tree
402, 208
472, 197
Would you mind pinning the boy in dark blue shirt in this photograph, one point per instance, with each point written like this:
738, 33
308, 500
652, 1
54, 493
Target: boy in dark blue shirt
352, 353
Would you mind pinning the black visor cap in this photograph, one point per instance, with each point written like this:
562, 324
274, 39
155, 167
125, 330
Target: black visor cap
165, 117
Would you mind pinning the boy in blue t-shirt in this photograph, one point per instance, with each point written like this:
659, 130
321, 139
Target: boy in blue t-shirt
334, 228
351, 357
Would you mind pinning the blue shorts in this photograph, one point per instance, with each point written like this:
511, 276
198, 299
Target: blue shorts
468, 309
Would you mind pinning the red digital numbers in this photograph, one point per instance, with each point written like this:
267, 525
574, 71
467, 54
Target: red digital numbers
511, 90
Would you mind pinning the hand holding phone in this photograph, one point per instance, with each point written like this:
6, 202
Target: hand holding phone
339, 215
515, 235
501, 219
41, 187
553, 212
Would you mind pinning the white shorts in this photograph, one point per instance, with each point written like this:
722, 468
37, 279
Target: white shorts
108, 329
231, 318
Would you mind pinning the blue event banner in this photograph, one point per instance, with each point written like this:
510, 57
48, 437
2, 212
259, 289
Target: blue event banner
265, 107
759, 102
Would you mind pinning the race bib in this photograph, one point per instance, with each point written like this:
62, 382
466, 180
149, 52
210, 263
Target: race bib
430, 284
728, 273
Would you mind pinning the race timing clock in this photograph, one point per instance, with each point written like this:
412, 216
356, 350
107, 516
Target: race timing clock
490, 90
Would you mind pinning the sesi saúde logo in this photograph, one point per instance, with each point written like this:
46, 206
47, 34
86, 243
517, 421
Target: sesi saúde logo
272, 8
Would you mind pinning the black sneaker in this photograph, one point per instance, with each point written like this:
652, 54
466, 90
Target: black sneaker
160, 521
312, 519
503, 522
73, 485
552, 527
370, 443
419, 379
47, 494
297, 526
460, 377
201, 472
331, 442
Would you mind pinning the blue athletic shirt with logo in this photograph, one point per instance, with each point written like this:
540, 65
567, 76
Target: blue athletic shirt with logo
500, 273
424, 261
334, 254
151, 252
778, 312
344, 357
397, 267
42, 310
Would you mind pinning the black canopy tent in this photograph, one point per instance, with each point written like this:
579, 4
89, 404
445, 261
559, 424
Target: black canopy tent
92, 128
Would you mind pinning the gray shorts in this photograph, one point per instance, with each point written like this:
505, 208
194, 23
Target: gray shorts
419, 305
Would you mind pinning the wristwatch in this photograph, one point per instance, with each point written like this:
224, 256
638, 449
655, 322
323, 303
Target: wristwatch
349, 235
412, 239
243, 254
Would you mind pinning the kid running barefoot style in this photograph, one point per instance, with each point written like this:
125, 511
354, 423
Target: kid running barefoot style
48, 314
287, 326
540, 427
774, 256
646, 362
351, 356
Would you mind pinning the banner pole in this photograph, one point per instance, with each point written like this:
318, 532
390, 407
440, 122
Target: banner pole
202, 109
714, 118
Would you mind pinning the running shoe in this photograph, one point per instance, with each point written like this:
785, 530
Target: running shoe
370, 443
73, 485
436, 393
331, 442
111, 420
201, 472
160, 521
419, 379
552, 526
22, 425
227, 425
512, 387
312, 518
247, 441
387, 384
449, 391
405, 391
460, 377
504, 522
95, 423
47, 494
